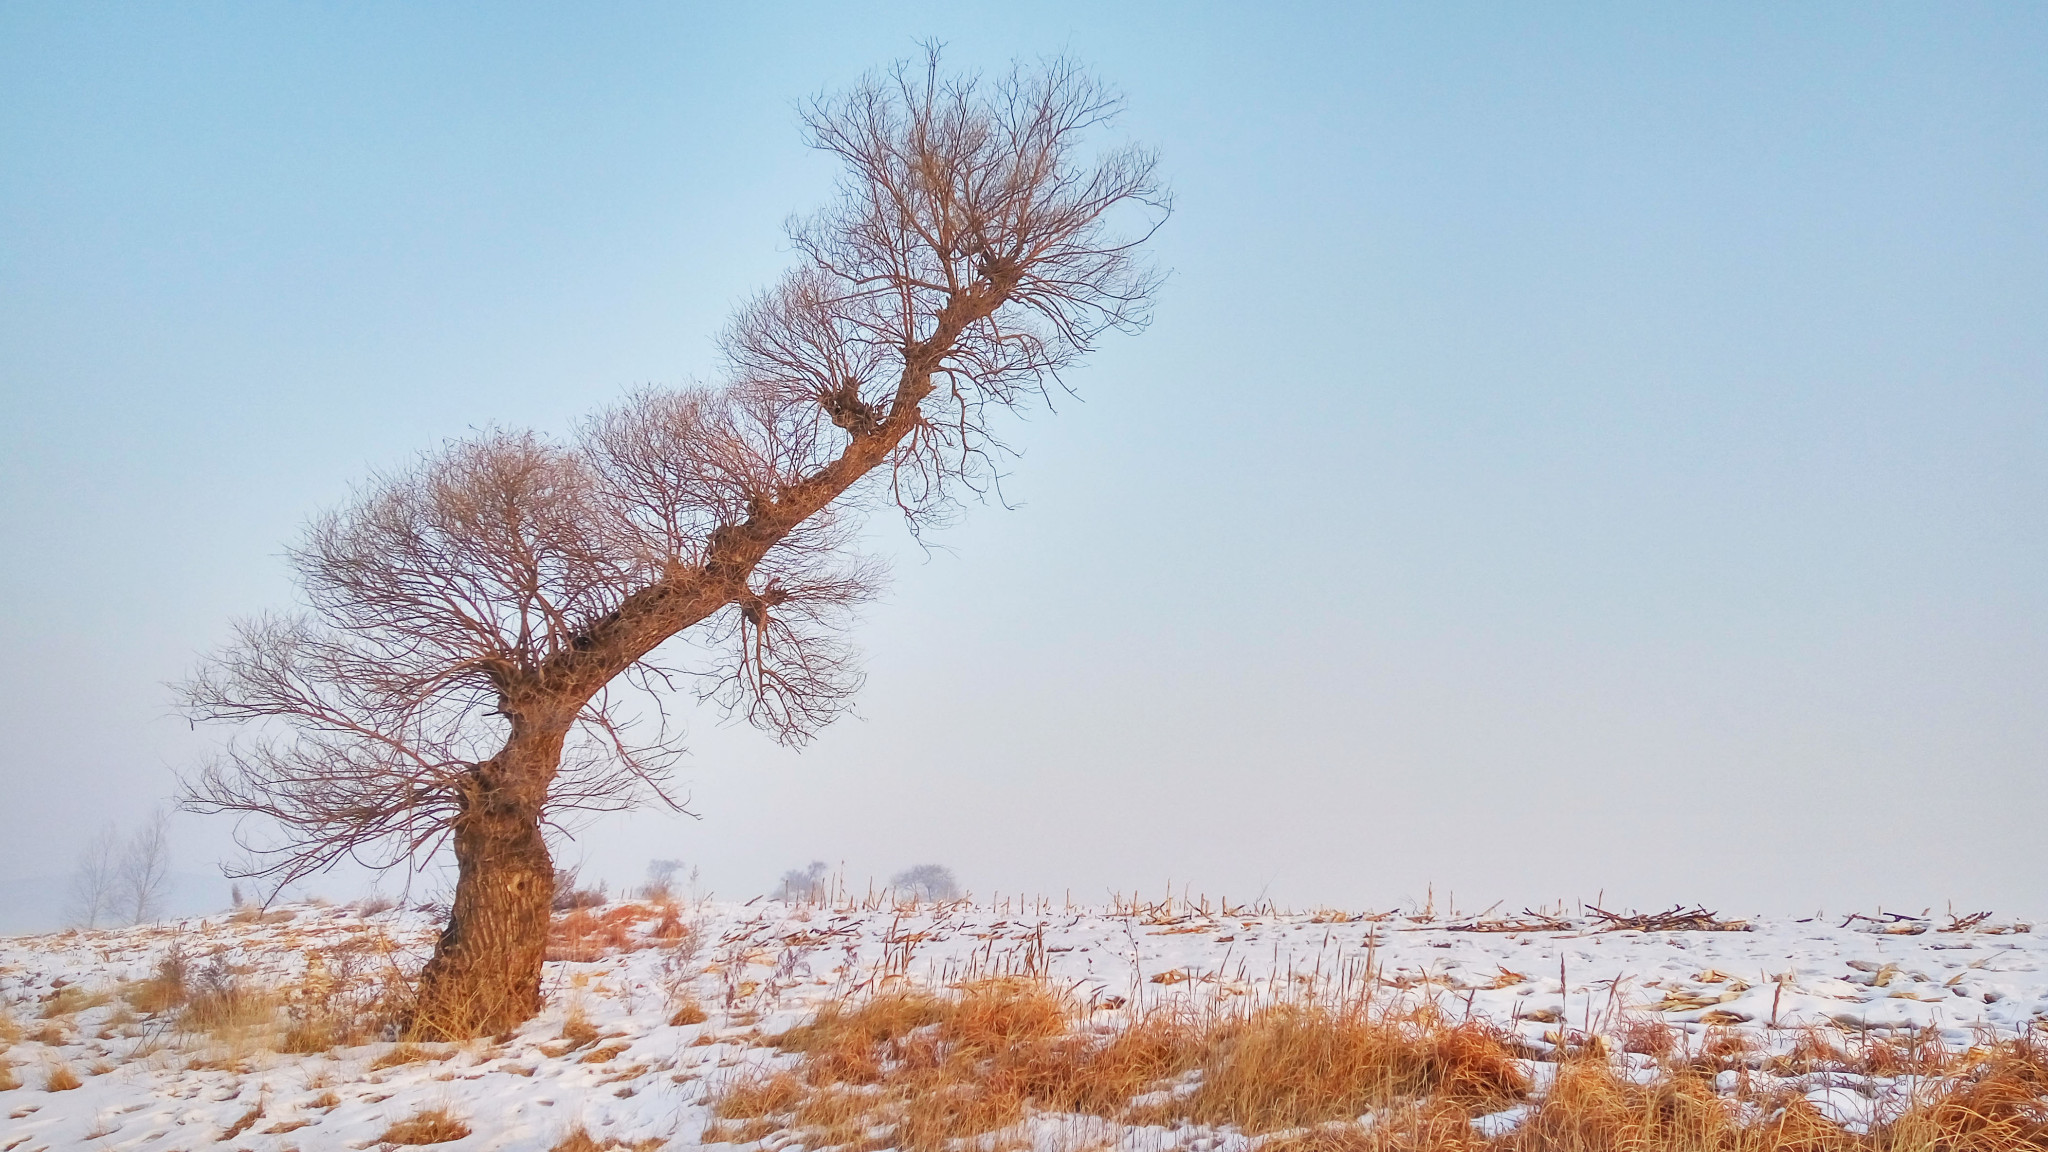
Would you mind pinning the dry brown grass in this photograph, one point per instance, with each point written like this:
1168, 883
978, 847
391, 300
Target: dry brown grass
60, 1079
1994, 1099
1299, 1064
760, 1095
926, 1071
577, 1030
8, 1080
581, 936
165, 988
222, 1004
409, 1054
71, 1000
426, 1126
579, 1139
671, 931
1998, 1103
923, 1070
1590, 1107
352, 992
1404, 1128
1647, 1037
247, 1121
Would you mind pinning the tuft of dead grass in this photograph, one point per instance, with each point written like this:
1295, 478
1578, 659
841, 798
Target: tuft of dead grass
222, 1002
61, 1079
165, 988
926, 1069
759, 1095
1292, 1065
577, 1030
426, 1126
71, 1000
244, 1123
407, 1053
579, 1139
1647, 1037
1999, 1103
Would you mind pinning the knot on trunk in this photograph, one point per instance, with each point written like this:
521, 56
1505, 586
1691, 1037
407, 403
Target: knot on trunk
845, 408
754, 605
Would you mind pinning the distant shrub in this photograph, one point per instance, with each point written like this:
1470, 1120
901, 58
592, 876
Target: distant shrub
661, 879
926, 882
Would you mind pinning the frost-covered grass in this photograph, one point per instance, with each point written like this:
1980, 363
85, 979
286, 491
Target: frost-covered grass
1138, 1026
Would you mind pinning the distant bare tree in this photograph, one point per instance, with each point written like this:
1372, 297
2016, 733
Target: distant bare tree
926, 882
142, 879
806, 884
477, 623
661, 879
92, 880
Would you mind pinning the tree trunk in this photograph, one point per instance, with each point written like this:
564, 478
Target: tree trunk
484, 977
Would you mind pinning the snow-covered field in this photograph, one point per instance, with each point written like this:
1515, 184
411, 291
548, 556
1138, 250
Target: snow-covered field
146, 1083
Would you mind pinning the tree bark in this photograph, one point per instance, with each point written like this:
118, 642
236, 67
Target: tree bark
484, 977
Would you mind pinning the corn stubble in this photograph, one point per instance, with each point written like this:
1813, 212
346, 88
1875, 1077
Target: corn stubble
925, 1071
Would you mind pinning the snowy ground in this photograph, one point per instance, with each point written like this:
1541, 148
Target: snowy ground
758, 969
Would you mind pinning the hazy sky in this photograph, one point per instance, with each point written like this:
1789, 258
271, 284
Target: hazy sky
1581, 449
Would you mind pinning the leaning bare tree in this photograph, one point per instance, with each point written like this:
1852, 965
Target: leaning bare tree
478, 626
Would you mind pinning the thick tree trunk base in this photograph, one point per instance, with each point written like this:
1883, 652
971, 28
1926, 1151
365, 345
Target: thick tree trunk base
484, 978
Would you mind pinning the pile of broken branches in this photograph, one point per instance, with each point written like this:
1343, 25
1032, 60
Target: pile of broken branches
1527, 922
1678, 919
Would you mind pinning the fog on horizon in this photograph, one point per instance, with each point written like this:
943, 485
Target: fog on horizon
1577, 454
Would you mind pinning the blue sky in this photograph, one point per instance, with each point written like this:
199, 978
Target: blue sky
1580, 449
